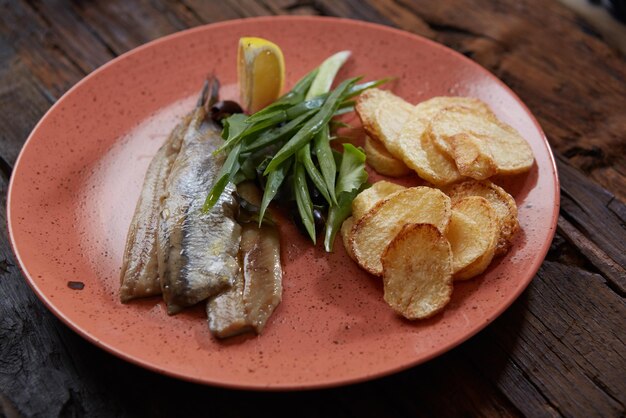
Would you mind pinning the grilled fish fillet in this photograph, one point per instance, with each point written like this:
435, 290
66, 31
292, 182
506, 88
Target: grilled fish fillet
139, 276
226, 311
258, 287
197, 252
262, 273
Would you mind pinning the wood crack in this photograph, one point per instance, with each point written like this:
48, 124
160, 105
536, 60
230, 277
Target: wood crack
531, 382
5, 168
448, 27
614, 274
193, 12
298, 4
564, 357
559, 356
55, 45
84, 24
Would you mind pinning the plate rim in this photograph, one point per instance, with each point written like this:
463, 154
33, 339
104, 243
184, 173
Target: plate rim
532, 271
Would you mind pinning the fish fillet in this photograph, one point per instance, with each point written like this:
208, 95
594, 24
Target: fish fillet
139, 276
258, 286
262, 272
226, 311
197, 251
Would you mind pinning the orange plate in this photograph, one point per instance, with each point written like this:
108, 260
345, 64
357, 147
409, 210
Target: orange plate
77, 180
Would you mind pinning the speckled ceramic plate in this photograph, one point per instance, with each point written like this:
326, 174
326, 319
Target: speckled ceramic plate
78, 178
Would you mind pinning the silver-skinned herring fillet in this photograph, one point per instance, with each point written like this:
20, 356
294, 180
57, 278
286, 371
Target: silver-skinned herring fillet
139, 276
262, 272
226, 311
197, 251
257, 290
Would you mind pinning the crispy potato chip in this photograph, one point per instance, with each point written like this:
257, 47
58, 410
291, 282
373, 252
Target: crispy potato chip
509, 151
417, 271
365, 200
465, 240
419, 152
346, 234
382, 115
365, 108
471, 157
382, 161
375, 230
473, 235
391, 117
502, 202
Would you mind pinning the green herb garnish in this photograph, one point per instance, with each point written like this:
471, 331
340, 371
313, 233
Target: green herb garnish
286, 146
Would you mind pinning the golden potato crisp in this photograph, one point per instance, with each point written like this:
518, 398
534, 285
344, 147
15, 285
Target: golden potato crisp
382, 161
502, 202
417, 271
365, 200
375, 230
473, 235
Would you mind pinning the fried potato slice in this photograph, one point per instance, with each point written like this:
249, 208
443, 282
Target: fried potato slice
461, 233
502, 202
497, 140
382, 161
365, 108
346, 234
473, 235
418, 150
383, 115
365, 200
375, 230
391, 117
417, 271
471, 158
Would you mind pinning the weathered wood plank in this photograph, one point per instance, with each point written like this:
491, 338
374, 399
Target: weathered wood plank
441, 389
37, 48
352, 9
615, 274
18, 90
35, 72
570, 348
539, 50
123, 25
71, 34
586, 205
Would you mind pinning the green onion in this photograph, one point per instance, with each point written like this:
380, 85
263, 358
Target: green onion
313, 126
303, 200
327, 72
227, 172
274, 135
274, 181
326, 161
351, 180
304, 157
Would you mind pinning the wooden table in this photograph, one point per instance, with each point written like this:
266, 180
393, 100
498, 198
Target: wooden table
559, 350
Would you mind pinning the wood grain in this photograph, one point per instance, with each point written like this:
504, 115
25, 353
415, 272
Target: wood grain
558, 351
546, 54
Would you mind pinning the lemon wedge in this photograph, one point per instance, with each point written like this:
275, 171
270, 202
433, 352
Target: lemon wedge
261, 71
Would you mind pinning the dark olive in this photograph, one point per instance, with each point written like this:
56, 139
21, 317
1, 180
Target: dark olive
295, 217
318, 218
223, 109
316, 197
